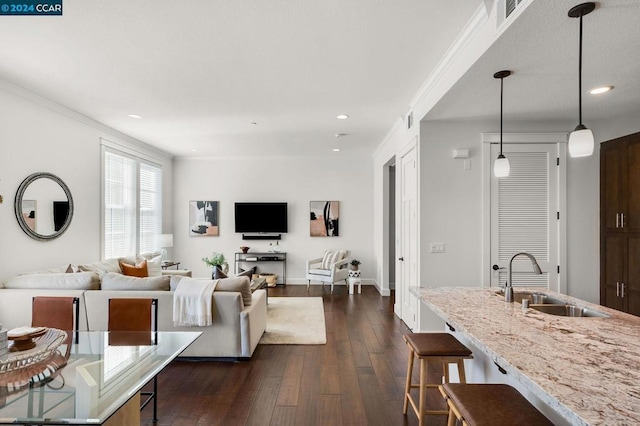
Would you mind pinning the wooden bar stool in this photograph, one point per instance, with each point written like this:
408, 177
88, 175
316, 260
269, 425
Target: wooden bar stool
489, 405
436, 348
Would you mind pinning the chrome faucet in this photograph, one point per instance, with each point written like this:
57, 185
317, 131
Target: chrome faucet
508, 289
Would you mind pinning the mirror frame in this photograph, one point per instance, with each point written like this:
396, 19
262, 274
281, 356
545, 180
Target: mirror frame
18, 205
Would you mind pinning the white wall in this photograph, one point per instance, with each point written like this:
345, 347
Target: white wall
296, 181
38, 136
451, 204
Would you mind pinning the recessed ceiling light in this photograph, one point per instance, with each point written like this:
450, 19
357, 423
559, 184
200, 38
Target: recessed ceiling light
195, 149
599, 90
254, 123
134, 116
336, 149
342, 116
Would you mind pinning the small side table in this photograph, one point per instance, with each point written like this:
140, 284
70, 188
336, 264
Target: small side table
168, 264
354, 278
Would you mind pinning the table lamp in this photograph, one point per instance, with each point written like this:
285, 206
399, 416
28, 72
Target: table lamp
166, 240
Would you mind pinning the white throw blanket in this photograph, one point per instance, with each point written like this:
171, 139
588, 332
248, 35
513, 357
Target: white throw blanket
192, 302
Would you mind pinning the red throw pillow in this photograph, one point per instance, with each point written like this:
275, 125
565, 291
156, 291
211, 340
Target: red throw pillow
140, 270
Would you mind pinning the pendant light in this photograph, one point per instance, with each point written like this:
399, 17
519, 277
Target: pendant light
501, 166
581, 139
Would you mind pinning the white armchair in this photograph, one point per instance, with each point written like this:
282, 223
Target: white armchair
332, 267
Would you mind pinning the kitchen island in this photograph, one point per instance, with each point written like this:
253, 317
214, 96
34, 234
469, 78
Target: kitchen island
585, 369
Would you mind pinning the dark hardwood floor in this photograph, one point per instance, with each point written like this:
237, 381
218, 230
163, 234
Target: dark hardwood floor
356, 378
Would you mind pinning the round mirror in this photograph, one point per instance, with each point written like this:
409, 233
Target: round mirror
43, 206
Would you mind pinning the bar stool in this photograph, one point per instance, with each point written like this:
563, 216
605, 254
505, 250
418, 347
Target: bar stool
489, 405
437, 348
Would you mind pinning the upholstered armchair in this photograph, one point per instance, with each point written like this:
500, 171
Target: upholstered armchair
332, 267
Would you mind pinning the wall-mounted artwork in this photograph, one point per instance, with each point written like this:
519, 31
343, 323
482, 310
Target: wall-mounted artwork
203, 218
324, 218
29, 213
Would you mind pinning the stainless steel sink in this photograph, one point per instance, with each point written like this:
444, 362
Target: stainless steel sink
566, 310
535, 298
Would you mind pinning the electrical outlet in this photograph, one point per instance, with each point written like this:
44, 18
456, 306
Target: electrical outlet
437, 247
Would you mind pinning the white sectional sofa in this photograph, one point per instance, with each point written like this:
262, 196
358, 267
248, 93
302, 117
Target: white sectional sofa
237, 324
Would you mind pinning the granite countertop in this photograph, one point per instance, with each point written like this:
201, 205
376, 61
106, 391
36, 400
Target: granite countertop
587, 369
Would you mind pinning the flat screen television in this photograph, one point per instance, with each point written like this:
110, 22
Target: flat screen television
261, 217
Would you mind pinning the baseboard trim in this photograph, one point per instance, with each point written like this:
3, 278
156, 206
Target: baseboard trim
365, 281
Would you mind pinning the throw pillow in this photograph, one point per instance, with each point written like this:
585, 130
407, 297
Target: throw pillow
140, 270
114, 281
331, 257
248, 273
102, 267
154, 265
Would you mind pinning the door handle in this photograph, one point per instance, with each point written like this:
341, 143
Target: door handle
497, 268
617, 220
617, 288
621, 220
401, 259
622, 290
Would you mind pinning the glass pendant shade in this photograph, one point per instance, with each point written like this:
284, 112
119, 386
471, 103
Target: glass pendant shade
501, 167
581, 142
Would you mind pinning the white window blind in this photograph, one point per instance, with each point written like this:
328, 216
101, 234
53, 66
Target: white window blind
119, 205
132, 205
150, 207
523, 210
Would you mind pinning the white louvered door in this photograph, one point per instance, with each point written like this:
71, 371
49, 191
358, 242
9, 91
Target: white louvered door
524, 215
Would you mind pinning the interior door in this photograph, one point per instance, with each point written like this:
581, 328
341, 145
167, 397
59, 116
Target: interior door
525, 216
409, 236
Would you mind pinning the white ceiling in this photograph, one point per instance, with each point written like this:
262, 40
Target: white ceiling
541, 49
200, 72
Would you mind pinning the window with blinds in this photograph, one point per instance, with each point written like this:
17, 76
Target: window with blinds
132, 205
150, 184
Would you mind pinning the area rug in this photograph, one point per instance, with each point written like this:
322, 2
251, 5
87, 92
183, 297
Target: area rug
295, 321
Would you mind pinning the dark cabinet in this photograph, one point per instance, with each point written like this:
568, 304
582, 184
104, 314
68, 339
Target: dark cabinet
620, 224
612, 270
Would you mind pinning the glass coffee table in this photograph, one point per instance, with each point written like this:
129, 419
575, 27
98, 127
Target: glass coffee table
100, 383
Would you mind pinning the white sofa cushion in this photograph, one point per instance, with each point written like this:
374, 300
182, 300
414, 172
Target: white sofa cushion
57, 280
115, 281
324, 272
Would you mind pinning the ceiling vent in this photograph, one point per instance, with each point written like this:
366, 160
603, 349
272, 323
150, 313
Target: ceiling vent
506, 9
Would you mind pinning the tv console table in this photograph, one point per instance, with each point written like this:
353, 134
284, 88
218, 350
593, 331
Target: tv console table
255, 257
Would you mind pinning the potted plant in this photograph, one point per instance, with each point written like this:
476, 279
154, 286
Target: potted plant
218, 265
354, 264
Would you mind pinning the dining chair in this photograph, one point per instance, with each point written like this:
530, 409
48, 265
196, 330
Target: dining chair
62, 313
127, 319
